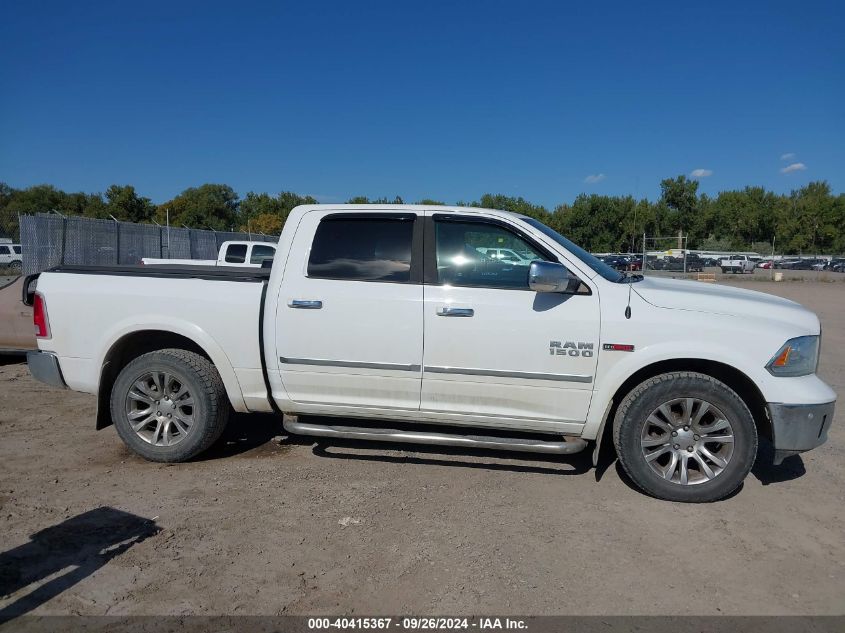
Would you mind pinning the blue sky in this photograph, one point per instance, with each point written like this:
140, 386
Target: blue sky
422, 99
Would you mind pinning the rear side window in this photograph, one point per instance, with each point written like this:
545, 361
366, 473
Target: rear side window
362, 249
4, 250
260, 253
17, 249
236, 254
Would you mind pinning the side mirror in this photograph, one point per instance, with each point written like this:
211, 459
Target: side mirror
548, 277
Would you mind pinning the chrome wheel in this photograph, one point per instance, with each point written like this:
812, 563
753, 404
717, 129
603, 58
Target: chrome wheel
687, 441
160, 408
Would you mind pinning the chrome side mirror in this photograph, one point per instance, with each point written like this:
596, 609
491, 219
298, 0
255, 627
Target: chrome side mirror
548, 277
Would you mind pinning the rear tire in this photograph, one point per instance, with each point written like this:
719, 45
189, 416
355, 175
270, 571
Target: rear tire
169, 405
685, 436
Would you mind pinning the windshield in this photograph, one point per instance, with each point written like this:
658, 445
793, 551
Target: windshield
593, 262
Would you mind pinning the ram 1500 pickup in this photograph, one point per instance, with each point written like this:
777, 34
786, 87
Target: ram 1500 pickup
393, 322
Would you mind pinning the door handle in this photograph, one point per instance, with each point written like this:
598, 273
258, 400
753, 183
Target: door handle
305, 304
455, 312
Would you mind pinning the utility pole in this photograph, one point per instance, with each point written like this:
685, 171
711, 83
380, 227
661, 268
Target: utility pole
644, 255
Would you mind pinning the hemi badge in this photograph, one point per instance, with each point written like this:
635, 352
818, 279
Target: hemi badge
617, 347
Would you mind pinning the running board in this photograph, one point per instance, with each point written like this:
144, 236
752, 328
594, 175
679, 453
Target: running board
528, 445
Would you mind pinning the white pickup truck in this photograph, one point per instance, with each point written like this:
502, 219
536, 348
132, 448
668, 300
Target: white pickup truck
737, 264
241, 254
389, 323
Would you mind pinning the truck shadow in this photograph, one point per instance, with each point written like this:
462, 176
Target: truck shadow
74, 549
245, 432
767, 473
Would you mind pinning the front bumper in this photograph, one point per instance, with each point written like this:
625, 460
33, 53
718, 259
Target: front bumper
44, 366
799, 427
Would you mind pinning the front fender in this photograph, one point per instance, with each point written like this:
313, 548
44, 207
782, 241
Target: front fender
614, 368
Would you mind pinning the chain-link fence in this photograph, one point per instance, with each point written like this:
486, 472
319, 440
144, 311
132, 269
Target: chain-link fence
47, 240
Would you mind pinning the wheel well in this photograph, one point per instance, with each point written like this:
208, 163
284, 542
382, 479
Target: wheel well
732, 377
127, 349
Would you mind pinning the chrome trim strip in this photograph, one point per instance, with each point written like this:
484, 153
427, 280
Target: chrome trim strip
527, 375
319, 362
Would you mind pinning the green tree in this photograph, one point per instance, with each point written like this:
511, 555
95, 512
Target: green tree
207, 206
510, 203
125, 204
261, 204
681, 196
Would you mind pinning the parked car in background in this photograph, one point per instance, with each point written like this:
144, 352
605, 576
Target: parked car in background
241, 254
765, 264
835, 264
785, 264
10, 256
668, 263
737, 264
805, 264
17, 334
695, 264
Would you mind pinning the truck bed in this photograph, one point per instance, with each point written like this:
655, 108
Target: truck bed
90, 308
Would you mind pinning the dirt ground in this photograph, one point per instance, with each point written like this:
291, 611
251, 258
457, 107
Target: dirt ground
268, 525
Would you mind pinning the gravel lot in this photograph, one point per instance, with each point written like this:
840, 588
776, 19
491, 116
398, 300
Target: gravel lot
268, 525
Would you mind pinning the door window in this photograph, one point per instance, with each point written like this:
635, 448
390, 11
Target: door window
260, 253
236, 254
362, 249
4, 250
482, 255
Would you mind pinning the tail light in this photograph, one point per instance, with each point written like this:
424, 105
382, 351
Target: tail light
39, 317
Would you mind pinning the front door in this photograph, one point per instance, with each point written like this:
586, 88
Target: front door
496, 352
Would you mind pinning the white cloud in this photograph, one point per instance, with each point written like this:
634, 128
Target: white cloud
787, 156
793, 167
701, 173
594, 178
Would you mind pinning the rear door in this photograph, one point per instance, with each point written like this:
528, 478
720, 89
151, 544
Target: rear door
495, 351
349, 321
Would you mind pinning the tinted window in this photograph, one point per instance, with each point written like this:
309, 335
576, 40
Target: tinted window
590, 260
366, 249
17, 249
471, 254
4, 250
236, 254
260, 253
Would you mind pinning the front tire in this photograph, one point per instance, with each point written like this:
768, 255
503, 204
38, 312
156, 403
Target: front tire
685, 436
169, 405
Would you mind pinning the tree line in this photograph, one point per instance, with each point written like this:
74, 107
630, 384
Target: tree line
807, 220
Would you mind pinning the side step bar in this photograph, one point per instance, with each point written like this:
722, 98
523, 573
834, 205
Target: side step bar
529, 445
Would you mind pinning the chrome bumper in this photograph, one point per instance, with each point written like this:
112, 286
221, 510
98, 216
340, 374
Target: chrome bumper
799, 427
44, 366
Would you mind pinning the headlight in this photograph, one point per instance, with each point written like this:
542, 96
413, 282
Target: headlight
798, 357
